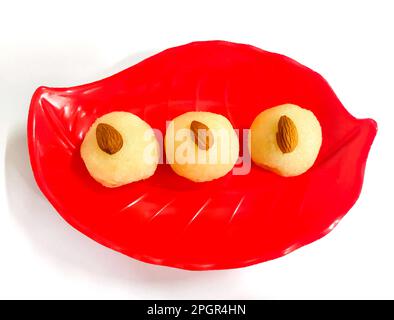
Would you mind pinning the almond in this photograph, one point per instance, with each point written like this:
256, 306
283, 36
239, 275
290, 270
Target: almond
108, 138
203, 137
287, 135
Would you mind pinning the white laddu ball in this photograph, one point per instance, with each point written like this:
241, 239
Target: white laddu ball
120, 148
201, 146
285, 139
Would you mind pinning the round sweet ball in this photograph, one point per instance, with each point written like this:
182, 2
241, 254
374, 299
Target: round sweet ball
285, 139
201, 146
120, 148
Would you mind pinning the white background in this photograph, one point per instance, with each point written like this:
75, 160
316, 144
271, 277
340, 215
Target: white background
64, 43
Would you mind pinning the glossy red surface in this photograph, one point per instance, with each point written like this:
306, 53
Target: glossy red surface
232, 222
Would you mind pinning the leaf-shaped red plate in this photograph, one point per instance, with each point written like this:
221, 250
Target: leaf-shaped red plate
231, 222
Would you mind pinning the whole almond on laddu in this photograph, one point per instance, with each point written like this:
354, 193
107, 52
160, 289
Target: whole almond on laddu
287, 135
203, 137
108, 138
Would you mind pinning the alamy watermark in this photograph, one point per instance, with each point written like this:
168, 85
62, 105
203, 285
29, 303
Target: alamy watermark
181, 148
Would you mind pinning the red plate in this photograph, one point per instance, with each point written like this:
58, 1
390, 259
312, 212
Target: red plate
232, 222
